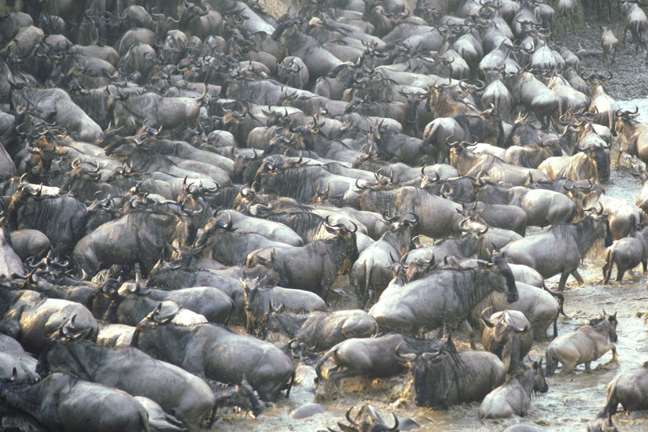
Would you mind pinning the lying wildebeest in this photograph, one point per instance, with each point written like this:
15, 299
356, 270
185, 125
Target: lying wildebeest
514, 396
31, 318
66, 403
374, 357
508, 335
320, 330
628, 389
561, 248
444, 377
583, 345
211, 351
178, 392
627, 254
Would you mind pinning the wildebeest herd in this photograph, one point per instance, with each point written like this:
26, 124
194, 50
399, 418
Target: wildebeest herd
173, 169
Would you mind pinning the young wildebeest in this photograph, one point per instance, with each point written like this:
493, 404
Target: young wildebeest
630, 389
508, 335
609, 43
514, 396
583, 345
626, 253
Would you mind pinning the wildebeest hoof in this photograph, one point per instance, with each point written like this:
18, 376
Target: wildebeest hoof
270, 405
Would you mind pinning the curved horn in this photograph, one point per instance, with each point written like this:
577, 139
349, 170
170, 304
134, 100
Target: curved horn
487, 321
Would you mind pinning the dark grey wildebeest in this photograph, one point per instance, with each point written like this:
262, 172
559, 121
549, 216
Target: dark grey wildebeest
626, 253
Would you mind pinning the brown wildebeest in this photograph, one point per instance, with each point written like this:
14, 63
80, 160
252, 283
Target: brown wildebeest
583, 345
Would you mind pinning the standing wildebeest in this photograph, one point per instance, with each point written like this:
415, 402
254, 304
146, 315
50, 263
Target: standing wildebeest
370, 273
443, 377
446, 297
315, 266
178, 392
626, 253
508, 335
560, 249
66, 403
583, 345
259, 298
514, 397
633, 133
630, 389
138, 236
609, 43
214, 352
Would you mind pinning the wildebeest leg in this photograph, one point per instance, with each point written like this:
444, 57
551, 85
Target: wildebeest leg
607, 270
615, 357
563, 280
471, 334
568, 357
578, 277
344, 373
588, 368
620, 272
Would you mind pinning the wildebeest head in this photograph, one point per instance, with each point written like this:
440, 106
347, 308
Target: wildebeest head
501, 339
606, 325
350, 247
367, 420
418, 268
434, 370
501, 277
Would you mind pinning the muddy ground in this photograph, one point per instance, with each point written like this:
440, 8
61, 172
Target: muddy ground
630, 70
572, 401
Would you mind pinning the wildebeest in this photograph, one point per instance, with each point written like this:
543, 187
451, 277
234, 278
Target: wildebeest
374, 357
444, 298
370, 273
31, 318
315, 266
560, 249
66, 403
259, 298
319, 330
628, 389
626, 253
583, 345
214, 352
444, 377
514, 397
178, 392
508, 335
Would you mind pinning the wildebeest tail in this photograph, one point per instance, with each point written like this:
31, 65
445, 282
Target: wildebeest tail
320, 362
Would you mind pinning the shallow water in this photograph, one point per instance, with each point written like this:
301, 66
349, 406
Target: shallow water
572, 402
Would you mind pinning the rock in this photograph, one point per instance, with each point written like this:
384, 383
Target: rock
307, 410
